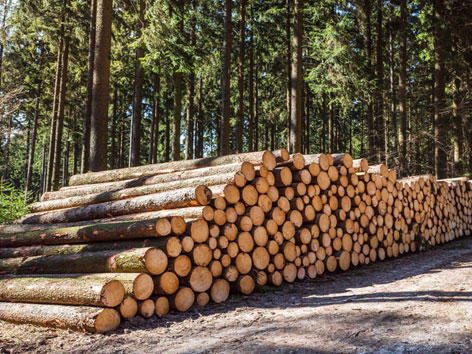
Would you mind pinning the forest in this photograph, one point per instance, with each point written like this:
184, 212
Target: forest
88, 85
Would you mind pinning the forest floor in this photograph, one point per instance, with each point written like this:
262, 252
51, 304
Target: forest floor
414, 304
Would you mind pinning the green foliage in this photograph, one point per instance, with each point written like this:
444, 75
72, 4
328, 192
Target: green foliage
13, 202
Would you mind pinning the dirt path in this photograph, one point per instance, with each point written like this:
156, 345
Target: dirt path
415, 304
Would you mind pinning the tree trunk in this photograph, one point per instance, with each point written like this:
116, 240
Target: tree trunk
190, 116
167, 151
324, 117
135, 136
200, 123
440, 114
84, 167
65, 164
83, 318
289, 54
331, 122
297, 80
113, 155
251, 83
241, 66
393, 98
75, 141
379, 106
29, 169
178, 95
42, 180
156, 116
256, 117
307, 118
458, 128
55, 108
121, 145
226, 81
370, 74
101, 87
402, 87
7, 147
60, 116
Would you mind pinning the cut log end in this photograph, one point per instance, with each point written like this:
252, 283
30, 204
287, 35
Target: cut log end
128, 307
113, 293
143, 286
220, 290
162, 306
183, 299
203, 195
107, 320
156, 261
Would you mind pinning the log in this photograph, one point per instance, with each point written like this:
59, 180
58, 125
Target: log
138, 285
199, 279
127, 193
343, 159
171, 245
162, 306
183, 299
361, 165
146, 308
128, 307
203, 299
181, 176
220, 290
65, 290
179, 198
81, 234
82, 318
152, 260
245, 284
265, 158
322, 160
166, 284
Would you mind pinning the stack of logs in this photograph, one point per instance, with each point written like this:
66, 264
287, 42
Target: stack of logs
145, 240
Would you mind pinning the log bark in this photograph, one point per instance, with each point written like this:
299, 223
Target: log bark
179, 198
64, 290
82, 318
152, 260
73, 191
127, 193
258, 158
24, 235
164, 243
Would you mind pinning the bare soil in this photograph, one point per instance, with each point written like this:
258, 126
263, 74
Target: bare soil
414, 304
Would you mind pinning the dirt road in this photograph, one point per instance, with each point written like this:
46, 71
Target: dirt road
418, 303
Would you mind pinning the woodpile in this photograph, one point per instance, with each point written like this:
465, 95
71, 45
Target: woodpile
153, 239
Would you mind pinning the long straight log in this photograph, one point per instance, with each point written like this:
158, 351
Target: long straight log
152, 260
127, 193
138, 285
187, 213
181, 176
63, 290
165, 243
179, 198
78, 234
265, 158
82, 318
